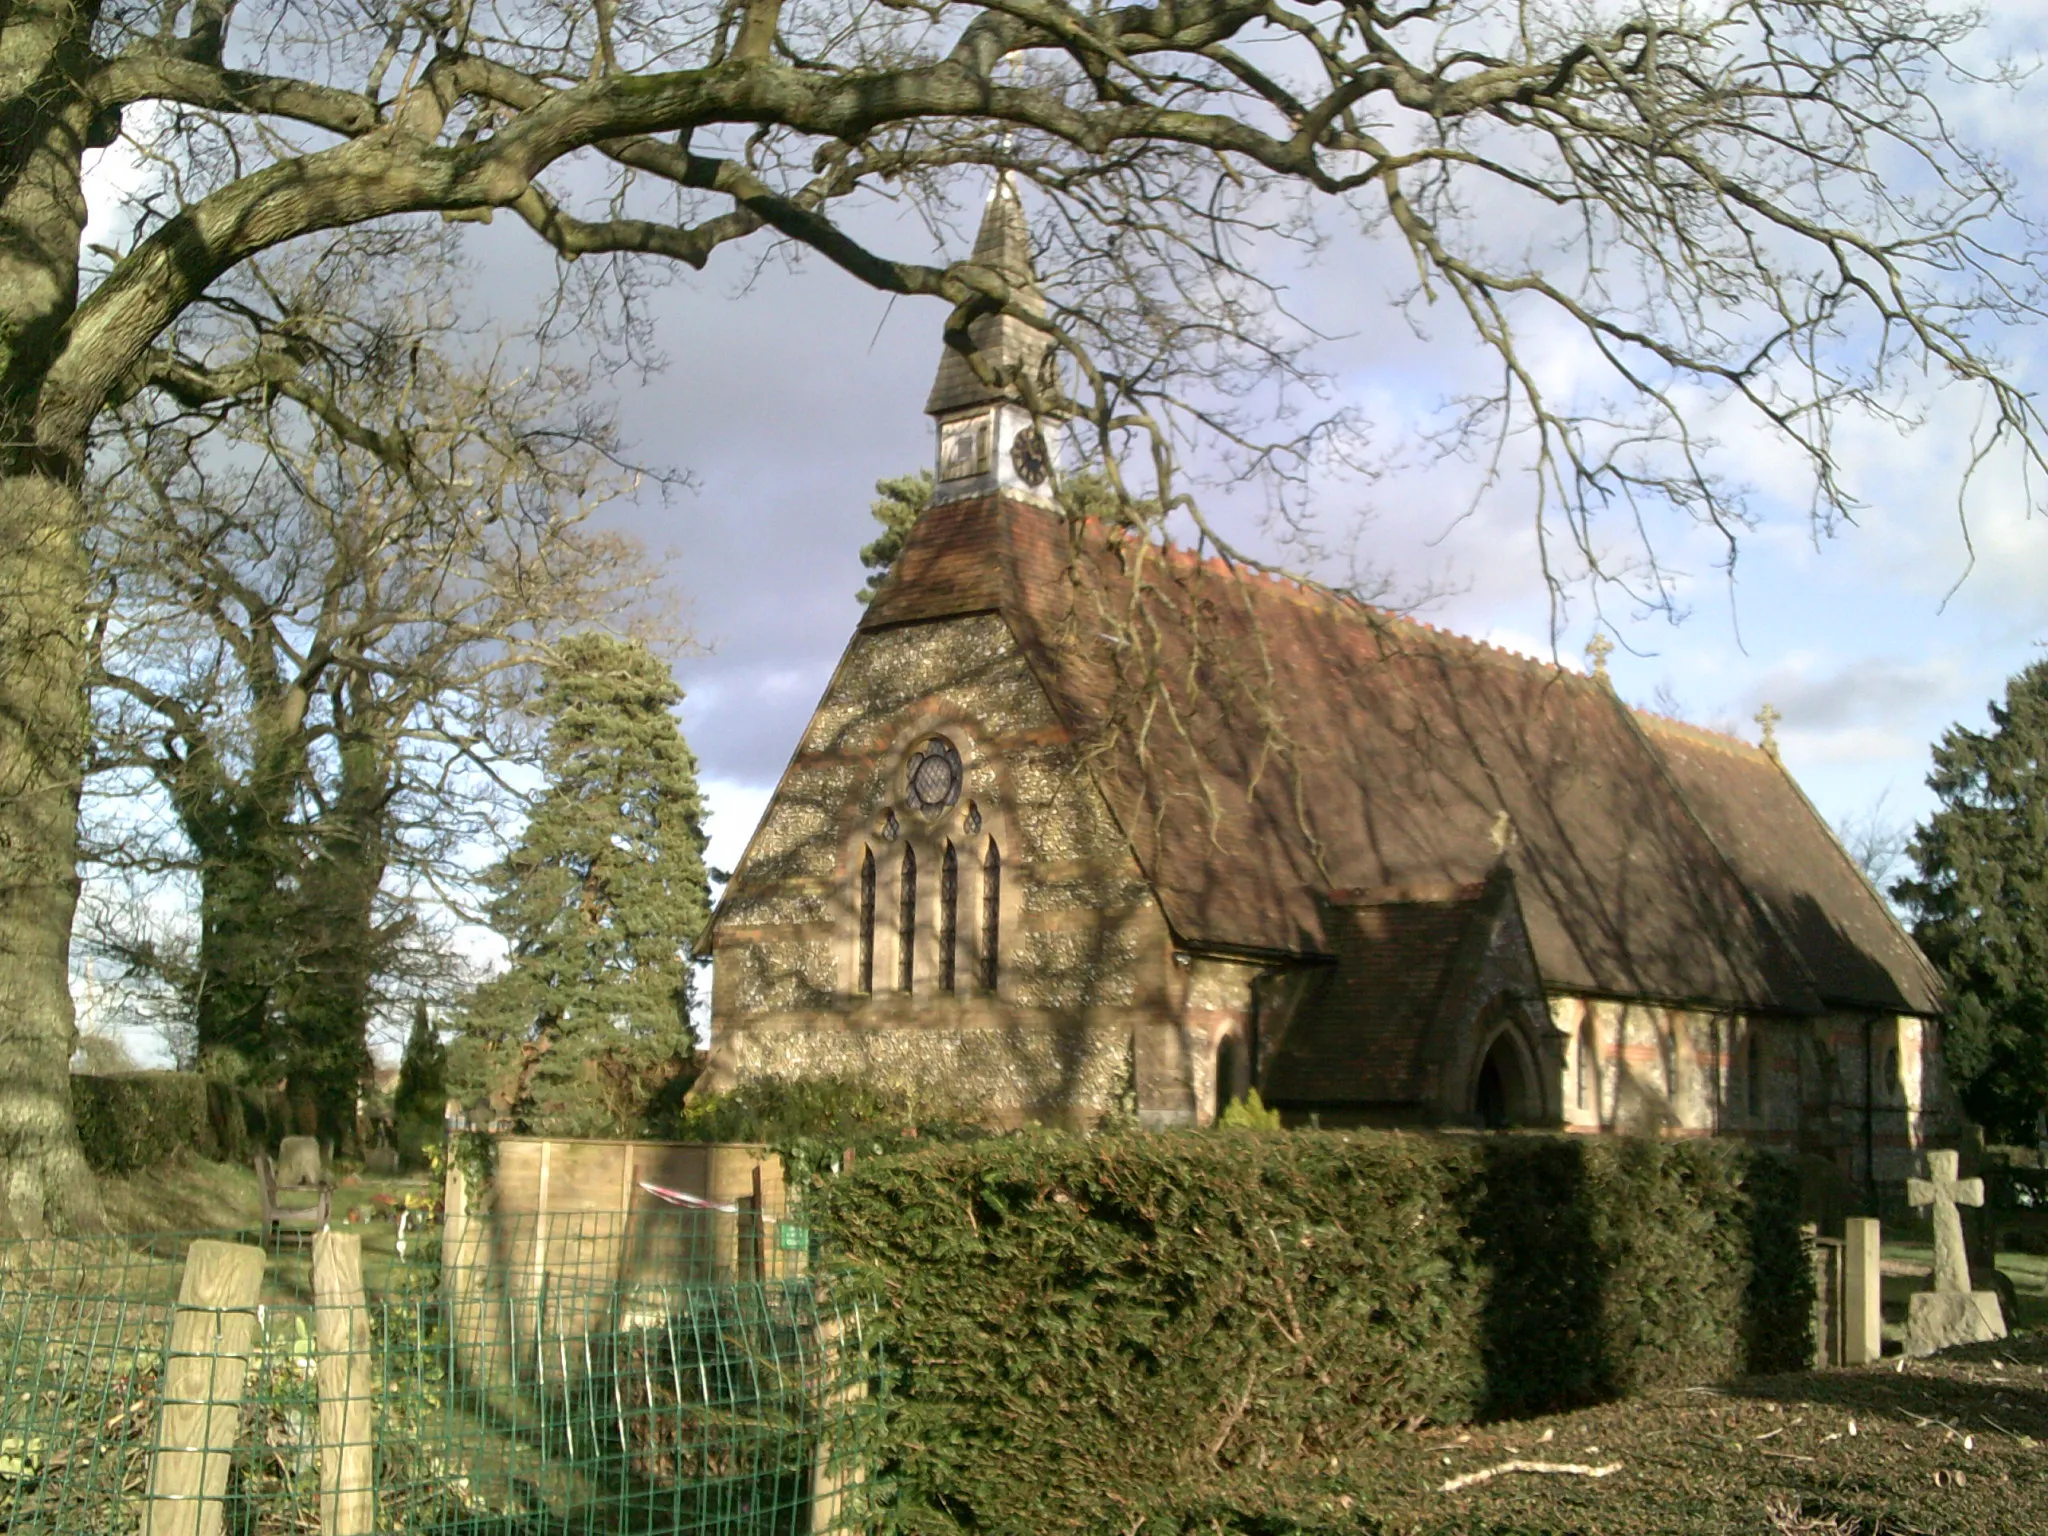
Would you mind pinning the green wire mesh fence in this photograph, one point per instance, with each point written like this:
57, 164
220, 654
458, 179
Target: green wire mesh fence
566, 1375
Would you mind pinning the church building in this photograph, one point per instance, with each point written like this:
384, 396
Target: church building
1087, 826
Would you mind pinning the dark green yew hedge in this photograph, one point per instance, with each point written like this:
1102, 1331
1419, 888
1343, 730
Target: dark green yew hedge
1091, 1334
137, 1119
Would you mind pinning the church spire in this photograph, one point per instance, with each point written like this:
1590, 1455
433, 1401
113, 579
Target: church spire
1003, 245
988, 440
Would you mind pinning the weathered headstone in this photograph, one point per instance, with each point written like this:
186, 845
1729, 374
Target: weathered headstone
1951, 1313
299, 1165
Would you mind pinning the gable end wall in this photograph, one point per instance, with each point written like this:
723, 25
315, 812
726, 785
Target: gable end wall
1082, 1016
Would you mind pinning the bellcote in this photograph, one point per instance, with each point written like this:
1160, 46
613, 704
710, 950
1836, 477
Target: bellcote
988, 441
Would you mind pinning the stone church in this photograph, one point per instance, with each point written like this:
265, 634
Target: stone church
1086, 825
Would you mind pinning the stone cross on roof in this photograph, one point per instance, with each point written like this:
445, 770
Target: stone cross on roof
1768, 717
1598, 649
1942, 1190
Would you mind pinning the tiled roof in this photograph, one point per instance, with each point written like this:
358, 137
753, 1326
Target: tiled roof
1371, 1016
1314, 744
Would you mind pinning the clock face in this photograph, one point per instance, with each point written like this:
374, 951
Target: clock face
1027, 457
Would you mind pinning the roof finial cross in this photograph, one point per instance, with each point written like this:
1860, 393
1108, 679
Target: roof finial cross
1768, 717
1942, 1190
1598, 649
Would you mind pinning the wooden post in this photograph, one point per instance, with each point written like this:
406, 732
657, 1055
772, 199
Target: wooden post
838, 1468
760, 1225
1862, 1292
206, 1366
341, 1330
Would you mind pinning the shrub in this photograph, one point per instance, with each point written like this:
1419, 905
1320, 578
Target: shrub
1249, 1114
810, 1121
138, 1119
1087, 1333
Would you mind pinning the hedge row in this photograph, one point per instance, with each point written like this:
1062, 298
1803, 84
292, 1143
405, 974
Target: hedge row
137, 1119
1087, 1334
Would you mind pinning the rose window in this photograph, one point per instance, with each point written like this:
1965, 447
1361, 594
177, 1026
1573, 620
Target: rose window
933, 780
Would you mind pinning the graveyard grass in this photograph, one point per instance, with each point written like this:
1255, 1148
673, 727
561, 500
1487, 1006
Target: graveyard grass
192, 1194
1955, 1445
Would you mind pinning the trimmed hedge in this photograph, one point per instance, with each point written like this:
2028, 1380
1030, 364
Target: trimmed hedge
138, 1119
1102, 1333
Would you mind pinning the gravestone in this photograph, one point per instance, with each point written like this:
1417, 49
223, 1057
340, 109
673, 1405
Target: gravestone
299, 1164
1951, 1313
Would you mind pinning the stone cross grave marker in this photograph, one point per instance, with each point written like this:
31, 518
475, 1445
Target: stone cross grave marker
1951, 1313
1944, 1192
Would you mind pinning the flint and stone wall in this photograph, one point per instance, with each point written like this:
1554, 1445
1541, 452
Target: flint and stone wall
1862, 1091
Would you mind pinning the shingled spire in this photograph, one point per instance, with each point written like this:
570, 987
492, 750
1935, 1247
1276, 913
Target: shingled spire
989, 442
1004, 246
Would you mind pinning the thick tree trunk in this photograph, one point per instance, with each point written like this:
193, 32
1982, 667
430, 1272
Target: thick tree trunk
238, 920
45, 124
44, 1182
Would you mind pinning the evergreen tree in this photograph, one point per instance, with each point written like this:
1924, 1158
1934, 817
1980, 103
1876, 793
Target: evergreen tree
897, 506
419, 1106
600, 901
1979, 904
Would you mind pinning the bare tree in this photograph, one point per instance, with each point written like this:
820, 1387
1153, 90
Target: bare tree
1761, 200
1876, 841
321, 613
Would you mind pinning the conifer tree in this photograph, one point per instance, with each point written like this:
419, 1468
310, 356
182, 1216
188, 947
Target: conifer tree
600, 902
1979, 904
420, 1101
897, 506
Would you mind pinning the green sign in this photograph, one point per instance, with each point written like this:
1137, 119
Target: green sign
795, 1236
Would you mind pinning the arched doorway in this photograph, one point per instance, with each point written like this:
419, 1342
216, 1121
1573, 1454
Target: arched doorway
1230, 1072
1504, 1089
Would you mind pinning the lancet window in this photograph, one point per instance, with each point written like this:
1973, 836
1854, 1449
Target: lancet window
906, 921
949, 901
938, 929
865, 979
991, 913
1589, 1068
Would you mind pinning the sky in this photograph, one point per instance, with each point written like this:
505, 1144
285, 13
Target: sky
789, 390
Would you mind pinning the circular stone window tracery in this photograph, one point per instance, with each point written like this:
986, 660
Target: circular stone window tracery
932, 779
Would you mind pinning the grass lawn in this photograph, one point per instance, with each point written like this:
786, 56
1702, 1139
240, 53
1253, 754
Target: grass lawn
190, 1194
